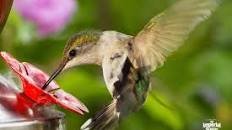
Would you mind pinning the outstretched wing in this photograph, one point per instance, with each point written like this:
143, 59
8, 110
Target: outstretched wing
167, 31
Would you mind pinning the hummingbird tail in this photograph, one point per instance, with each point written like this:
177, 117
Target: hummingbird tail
105, 119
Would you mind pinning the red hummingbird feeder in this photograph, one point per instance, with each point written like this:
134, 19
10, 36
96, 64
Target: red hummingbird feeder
31, 107
32, 96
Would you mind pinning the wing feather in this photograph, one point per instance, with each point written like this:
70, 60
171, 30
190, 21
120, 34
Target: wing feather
167, 31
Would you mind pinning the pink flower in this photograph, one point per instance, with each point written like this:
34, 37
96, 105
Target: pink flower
49, 16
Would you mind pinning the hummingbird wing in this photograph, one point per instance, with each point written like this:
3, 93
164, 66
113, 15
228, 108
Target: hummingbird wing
168, 30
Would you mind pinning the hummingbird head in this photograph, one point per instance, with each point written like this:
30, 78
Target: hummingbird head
81, 48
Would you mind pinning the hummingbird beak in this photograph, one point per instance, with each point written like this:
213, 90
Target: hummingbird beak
56, 72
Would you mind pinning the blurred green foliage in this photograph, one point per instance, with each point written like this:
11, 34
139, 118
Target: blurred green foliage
194, 85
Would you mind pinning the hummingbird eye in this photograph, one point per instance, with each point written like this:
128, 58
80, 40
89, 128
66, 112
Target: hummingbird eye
72, 53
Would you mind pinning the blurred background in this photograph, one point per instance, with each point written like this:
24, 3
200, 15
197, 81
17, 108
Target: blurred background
194, 85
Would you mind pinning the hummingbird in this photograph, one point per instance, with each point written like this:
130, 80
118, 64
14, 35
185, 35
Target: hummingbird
127, 61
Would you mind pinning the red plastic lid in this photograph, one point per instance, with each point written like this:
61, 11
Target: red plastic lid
33, 79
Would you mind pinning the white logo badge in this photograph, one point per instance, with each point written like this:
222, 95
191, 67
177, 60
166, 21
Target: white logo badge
211, 124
